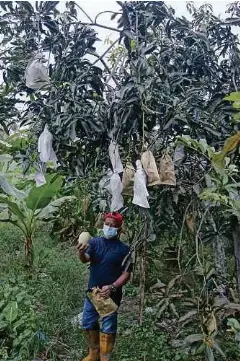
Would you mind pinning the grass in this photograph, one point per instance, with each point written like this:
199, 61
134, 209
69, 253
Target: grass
57, 280
58, 283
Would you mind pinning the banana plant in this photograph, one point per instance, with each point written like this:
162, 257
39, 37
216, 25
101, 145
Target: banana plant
24, 209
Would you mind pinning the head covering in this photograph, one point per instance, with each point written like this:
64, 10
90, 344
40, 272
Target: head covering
118, 218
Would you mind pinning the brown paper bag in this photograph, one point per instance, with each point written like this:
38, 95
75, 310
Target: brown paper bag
103, 306
166, 171
128, 179
150, 167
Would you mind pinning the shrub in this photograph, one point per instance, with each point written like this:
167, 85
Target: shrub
19, 337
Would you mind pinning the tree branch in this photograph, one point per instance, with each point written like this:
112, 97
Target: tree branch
104, 12
106, 67
105, 52
84, 12
101, 26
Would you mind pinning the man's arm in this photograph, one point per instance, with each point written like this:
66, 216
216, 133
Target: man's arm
84, 257
121, 281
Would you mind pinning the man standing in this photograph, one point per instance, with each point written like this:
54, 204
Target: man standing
108, 273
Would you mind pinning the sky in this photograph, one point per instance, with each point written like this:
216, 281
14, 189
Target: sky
94, 7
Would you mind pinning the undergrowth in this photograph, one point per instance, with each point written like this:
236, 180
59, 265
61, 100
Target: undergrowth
46, 298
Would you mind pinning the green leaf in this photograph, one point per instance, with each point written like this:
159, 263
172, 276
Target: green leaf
11, 312
231, 143
9, 189
188, 316
193, 338
40, 197
209, 354
216, 347
13, 207
232, 322
3, 325
218, 161
5, 158
49, 211
232, 97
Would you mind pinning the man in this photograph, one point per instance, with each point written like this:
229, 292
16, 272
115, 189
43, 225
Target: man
108, 273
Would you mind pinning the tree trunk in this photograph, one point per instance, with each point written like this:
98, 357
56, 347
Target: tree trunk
220, 259
143, 261
219, 255
28, 251
236, 239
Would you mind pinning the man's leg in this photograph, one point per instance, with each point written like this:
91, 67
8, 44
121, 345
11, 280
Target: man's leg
107, 336
91, 326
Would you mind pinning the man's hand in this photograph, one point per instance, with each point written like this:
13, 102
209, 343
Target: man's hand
105, 291
81, 247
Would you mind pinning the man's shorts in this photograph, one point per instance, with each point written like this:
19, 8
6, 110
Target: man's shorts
91, 317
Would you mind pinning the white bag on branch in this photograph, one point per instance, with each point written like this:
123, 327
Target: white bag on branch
140, 197
45, 146
179, 154
40, 179
115, 157
150, 167
128, 179
104, 183
167, 174
36, 74
116, 191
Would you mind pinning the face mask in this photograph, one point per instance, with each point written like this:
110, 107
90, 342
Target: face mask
109, 232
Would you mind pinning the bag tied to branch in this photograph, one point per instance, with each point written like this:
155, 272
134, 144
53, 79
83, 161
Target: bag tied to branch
45, 146
140, 191
115, 157
128, 179
40, 179
116, 192
36, 74
167, 174
150, 167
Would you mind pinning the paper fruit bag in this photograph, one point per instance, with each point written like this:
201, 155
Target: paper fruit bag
103, 306
150, 167
167, 174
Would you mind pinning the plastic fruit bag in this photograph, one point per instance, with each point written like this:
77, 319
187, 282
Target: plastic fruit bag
116, 191
179, 154
167, 174
115, 157
36, 74
104, 183
150, 167
103, 306
128, 179
140, 187
39, 179
45, 146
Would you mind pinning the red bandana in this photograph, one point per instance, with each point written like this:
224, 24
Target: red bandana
118, 218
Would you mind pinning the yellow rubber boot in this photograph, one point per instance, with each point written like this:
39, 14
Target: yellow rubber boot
93, 346
107, 342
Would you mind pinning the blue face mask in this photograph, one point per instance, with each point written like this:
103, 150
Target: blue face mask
109, 232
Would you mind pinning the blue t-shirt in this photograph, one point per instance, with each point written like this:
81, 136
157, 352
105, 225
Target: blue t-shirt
106, 257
